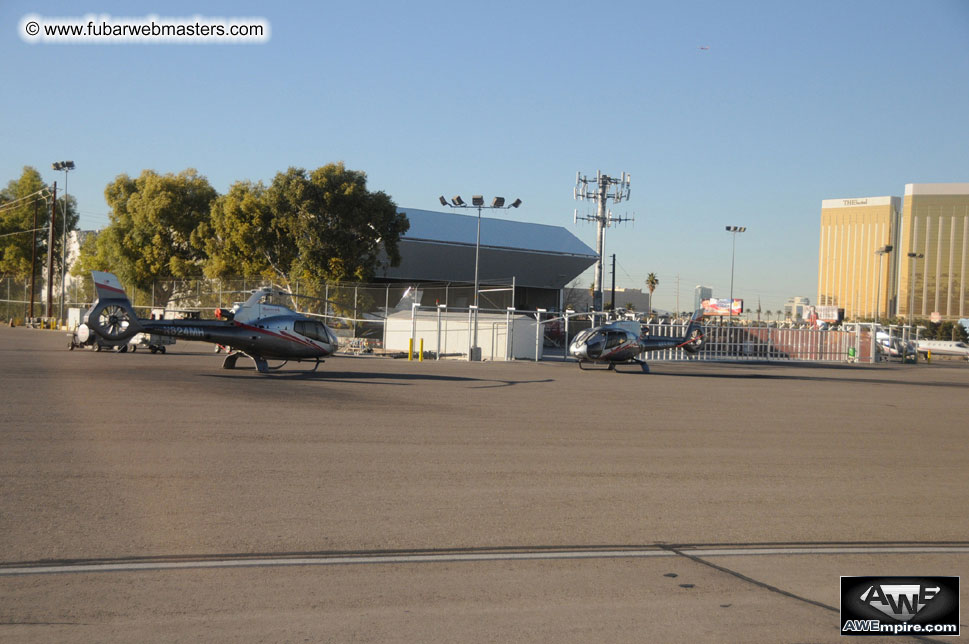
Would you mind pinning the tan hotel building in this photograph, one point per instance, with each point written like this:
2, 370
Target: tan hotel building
851, 275
932, 223
935, 224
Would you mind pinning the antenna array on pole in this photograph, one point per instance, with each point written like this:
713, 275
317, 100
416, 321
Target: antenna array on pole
600, 190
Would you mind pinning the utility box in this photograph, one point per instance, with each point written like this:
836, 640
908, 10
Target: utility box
74, 318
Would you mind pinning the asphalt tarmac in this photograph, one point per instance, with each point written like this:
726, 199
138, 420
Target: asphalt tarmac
160, 498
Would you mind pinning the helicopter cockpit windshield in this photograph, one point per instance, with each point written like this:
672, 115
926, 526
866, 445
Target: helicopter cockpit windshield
594, 344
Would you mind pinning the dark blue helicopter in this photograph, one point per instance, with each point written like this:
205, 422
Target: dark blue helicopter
623, 341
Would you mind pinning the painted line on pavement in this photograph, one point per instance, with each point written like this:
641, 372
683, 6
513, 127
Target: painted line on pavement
458, 557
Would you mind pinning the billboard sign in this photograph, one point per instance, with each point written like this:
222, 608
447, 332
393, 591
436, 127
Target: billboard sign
823, 314
714, 306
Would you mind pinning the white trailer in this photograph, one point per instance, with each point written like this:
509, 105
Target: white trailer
501, 336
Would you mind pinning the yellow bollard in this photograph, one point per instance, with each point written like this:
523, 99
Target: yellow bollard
420, 358
410, 349
928, 357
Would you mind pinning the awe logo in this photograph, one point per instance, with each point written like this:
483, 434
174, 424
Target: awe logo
899, 606
901, 601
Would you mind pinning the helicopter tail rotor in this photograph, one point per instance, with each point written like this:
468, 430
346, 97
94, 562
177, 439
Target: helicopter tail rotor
693, 337
113, 320
111, 316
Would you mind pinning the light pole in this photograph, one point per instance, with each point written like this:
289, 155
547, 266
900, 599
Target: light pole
911, 283
66, 166
881, 252
477, 201
733, 230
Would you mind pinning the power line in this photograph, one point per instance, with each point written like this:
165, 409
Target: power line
13, 204
24, 232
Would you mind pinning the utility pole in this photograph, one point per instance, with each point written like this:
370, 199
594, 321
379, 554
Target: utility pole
677, 296
603, 218
50, 254
614, 282
33, 260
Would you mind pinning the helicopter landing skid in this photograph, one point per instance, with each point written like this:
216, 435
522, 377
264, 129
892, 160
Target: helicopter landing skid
612, 366
642, 364
316, 365
262, 366
609, 366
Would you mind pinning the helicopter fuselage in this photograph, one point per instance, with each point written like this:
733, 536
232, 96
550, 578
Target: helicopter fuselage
282, 337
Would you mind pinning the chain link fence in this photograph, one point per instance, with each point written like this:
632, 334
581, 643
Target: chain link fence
358, 312
350, 308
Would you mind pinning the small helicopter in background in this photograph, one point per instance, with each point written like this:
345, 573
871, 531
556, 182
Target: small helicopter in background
256, 328
623, 341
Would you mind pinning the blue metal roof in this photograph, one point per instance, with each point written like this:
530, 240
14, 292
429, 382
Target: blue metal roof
452, 228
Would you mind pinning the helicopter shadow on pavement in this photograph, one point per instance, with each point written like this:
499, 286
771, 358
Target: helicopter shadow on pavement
806, 378
372, 378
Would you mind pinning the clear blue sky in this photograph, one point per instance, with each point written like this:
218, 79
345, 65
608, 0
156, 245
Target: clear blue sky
792, 103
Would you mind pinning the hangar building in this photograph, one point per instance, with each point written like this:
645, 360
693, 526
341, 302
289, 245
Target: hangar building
440, 247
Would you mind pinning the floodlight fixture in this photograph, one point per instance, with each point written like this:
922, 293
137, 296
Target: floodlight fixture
733, 256
881, 252
478, 202
65, 167
911, 281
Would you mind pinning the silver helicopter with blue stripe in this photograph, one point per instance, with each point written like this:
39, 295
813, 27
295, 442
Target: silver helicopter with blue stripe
622, 342
257, 329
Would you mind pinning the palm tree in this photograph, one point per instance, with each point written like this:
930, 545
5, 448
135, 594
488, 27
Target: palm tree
651, 283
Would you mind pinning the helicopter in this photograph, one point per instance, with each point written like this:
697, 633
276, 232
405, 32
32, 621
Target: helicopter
623, 341
256, 328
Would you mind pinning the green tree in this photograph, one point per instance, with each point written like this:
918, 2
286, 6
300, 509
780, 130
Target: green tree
947, 331
19, 202
242, 238
150, 235
314, 227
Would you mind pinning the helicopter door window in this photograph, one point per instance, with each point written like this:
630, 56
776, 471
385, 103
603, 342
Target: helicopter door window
304, 328
614, 339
